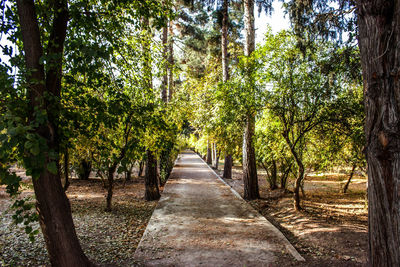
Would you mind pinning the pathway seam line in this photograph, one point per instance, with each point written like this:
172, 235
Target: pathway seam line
287, 243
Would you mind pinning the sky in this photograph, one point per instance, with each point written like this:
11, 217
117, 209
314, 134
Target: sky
277, 21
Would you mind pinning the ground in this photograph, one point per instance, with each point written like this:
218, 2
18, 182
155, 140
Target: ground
332, 229
108, 238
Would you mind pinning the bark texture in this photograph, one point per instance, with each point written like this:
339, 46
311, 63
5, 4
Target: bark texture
224, 41
209, 153
66, 169
228, 167
170, 62
164, 83
150, 178
51, 202
379, 36
110, 178
250, 180
225, 73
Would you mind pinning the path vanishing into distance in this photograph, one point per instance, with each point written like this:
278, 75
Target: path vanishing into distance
201, 221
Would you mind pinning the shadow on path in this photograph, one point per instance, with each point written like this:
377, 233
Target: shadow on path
200, 222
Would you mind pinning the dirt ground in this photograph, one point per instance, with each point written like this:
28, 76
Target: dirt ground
332, 229
108, 238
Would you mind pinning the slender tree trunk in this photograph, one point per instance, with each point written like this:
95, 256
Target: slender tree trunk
141, 167
84, 170
110, 178
228, 167
66, 168
297, 185
51, 202
284, 176
379, 38
225, 74
346, 186
171, 62
217, 153
272, 177
214, 153
164, 83
151, 184
209, 153
128, 174
224, 42
250, 179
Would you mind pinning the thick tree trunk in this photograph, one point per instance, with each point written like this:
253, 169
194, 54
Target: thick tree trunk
379, 38
209, 153
346, 186
51, 202
250, 179
110, 186
66, 168
228, 167
150, 178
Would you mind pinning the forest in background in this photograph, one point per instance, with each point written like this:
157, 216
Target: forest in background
109, 86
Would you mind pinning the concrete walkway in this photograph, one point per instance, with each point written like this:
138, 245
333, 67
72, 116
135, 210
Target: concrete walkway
200, 222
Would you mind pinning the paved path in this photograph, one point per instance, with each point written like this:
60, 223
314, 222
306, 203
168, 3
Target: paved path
200, 222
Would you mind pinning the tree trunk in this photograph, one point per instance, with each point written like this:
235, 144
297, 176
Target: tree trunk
128, 173
171, 62
297, 185
217, 154
141, 167
209, 153
164, 83
51, 202
284, 177
84, 170
272, 177
250, 179
66, 167
346, 186
225, 75
150, 178
228, 167
110, 178
224, 41
379, 38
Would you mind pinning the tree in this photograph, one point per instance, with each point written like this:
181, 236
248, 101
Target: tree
300, 93
250, 179
44, 87
377, 34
